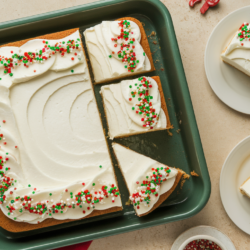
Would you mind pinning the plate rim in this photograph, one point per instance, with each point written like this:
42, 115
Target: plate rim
221, 174
206, 56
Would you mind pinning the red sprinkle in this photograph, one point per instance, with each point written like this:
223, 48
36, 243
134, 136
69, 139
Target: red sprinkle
202, 244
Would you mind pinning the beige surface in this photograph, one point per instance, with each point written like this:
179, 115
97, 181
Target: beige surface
220, 127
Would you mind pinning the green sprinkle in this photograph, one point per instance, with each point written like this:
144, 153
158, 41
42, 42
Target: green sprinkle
72, 71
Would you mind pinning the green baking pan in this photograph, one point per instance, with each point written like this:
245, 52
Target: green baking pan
181, 147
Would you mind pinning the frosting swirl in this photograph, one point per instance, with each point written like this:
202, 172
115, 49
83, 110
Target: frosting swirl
237, 53
133, 106
51, 136
115, 50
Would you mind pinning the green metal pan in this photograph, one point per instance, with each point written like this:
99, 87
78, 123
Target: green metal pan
182, 149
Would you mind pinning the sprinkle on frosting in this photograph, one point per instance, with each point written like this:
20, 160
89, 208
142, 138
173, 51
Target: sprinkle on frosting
46, 51
32, 201
144, 106
24, 203
126, 52
244, 32
150, 186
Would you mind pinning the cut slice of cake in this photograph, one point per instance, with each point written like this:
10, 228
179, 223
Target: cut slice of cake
245, 188
118, 49
149, 182
237, 53
55, 165
135, 106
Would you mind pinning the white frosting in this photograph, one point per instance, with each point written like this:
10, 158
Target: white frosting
135, 167
237, 53
100, 47
246, 187
54, 121
122, 120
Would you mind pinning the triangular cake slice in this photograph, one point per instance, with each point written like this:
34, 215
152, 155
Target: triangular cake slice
149, 182
237, 53
245, 188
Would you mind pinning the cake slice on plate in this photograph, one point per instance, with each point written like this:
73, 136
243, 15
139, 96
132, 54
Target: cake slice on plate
237, 53
135, 106
149, 182
118, 49
245, 188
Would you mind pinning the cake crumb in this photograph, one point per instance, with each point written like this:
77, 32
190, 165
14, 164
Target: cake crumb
182, 183
193, 173
169, 133
153, 33
178, 131
157, 61
154, 42
186, 176
161, 69
143, 24
128, 203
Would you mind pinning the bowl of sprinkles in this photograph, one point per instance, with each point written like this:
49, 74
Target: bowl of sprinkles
202, 242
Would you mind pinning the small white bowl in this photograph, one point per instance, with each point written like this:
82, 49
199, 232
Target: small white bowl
201, 237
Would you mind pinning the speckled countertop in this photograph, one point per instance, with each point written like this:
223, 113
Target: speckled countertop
220, 127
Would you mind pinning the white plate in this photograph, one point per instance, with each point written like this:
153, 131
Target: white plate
228, 83
235, 171
204, 230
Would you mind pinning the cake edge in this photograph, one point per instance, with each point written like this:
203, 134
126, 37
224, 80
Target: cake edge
242, 191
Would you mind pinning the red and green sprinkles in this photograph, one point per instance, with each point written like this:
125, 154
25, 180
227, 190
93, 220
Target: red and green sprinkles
21, 204
244, 33
149, 187
202, 245
47, 51
144, 106
77, 200
126, 52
